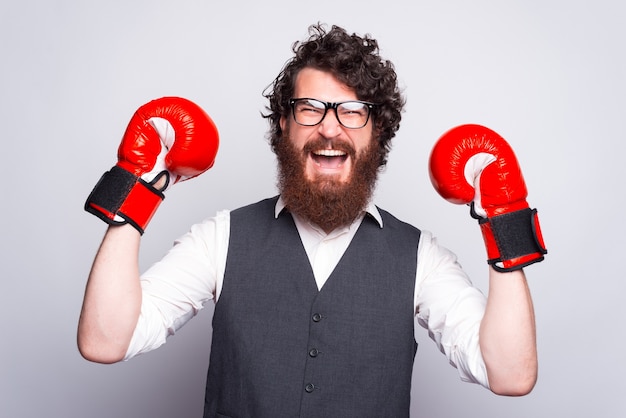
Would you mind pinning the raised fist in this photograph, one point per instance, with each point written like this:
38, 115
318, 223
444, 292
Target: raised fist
167, 140
471, 164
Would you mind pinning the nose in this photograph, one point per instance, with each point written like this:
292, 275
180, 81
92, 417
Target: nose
329, 126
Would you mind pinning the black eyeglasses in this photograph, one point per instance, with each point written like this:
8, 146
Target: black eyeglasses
352, 114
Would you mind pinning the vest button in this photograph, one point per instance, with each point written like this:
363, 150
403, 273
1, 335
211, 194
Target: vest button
310, 387
317, 317
313, 352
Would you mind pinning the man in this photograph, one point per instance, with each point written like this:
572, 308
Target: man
316, 290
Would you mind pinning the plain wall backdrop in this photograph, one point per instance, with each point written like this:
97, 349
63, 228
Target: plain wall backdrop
549, 76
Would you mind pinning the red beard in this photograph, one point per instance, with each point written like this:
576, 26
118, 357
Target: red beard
325, 201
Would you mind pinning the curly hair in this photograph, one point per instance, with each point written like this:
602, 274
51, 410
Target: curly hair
354, 61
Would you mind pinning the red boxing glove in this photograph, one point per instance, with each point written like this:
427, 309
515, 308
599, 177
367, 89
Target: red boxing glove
471, 164
167, 140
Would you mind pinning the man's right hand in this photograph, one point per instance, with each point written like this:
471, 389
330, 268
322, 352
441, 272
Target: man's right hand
168, 140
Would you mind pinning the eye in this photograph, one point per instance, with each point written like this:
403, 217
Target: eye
310, 106
353, 108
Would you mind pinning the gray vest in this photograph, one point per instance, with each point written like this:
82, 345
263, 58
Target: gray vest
281, 348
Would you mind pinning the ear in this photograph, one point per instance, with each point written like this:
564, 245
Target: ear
283, 122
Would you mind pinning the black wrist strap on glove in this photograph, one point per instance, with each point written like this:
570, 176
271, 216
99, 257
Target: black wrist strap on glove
513, 239
121, 197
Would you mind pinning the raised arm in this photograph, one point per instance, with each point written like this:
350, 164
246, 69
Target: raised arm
167, 140
112, 298
471, 164
507, 334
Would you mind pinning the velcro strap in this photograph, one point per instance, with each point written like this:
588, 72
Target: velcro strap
121, 197
517, 239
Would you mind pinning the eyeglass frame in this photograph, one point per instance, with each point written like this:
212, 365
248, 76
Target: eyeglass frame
334, 106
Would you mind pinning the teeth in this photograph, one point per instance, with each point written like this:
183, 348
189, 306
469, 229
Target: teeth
329, 153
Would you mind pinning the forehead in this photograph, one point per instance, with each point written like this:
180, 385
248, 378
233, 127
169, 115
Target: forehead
322, 85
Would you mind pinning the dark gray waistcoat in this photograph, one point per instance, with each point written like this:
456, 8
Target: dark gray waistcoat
281, 348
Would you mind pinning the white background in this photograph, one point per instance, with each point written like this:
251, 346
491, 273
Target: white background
549, 76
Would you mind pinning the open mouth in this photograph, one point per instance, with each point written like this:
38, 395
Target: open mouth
329, 158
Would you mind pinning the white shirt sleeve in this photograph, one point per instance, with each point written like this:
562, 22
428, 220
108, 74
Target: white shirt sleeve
175, 288
450, 308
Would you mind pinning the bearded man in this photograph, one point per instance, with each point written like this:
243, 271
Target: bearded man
316, 290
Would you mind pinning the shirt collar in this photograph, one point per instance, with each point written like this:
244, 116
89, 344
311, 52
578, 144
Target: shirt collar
371, 210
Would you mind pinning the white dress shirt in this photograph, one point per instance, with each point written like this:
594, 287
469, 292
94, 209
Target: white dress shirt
192, 273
